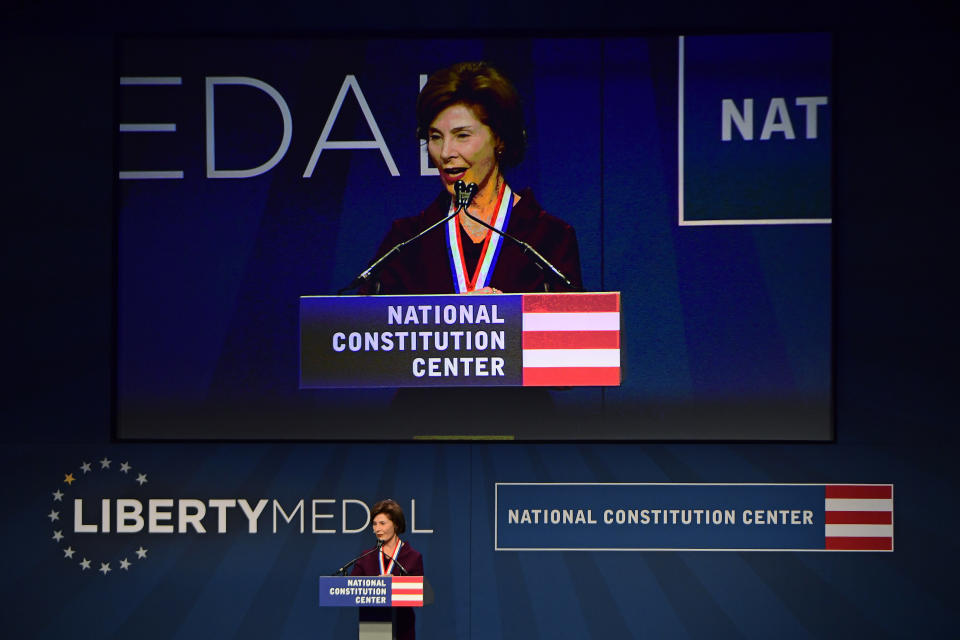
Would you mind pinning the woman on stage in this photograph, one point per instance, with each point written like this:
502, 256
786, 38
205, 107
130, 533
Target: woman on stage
395, 557
470, 116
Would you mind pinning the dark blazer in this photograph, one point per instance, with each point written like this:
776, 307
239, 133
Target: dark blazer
412, 561
409, 558
423, 267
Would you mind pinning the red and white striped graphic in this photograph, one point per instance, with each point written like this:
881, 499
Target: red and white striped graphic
859, 517
407, 591
571, 339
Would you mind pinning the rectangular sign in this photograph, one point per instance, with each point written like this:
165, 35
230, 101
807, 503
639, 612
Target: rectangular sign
540, 339
693, 517
371, 591
754, 129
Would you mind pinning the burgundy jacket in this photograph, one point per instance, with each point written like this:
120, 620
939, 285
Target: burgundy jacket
423, 267
409, 558
412, 561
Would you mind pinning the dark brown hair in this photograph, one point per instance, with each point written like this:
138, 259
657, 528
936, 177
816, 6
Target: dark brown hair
393, 511
493, 99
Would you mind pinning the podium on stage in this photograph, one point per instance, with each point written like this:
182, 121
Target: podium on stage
503, 340
377, 596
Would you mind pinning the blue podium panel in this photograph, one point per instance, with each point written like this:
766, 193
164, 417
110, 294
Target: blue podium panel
371, 591
531, 339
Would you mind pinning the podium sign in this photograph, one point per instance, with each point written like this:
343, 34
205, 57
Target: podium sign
529, 339
371, 591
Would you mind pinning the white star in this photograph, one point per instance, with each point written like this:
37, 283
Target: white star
105, 463
104, 568
125, 467
85, 564
53, 515
68, 552
57, 495
142, 479
85, 467
58, 535
141, 553
124, 564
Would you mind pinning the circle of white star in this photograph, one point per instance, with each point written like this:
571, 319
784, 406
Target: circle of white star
54, 515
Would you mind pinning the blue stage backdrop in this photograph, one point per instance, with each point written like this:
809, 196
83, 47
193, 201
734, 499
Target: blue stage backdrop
696, 172
228, 540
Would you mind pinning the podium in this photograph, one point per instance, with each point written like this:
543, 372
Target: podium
376, 596
505, 340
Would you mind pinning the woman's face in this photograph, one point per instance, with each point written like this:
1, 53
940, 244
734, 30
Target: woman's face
462, 147
383, 527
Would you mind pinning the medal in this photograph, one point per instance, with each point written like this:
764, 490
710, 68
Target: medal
491, 246
396, 552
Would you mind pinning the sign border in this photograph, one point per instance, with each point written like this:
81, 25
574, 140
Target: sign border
496, 504
731, 222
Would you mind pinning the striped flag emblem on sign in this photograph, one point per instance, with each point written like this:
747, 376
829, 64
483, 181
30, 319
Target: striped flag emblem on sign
407, 591
859, 517
571, 340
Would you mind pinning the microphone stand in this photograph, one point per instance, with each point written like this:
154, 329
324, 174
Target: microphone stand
464, 193
342, 571
379, 262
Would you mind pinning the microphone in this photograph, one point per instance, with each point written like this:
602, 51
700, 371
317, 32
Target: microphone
379, 544
538, 259
463, 194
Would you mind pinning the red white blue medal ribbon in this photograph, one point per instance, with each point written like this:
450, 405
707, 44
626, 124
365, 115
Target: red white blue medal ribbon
396, 552
491, 246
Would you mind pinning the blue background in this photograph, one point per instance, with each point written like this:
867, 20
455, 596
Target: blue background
895, 413
775, 178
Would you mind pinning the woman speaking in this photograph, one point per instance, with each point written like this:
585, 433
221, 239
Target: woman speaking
394, 557
471, 119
